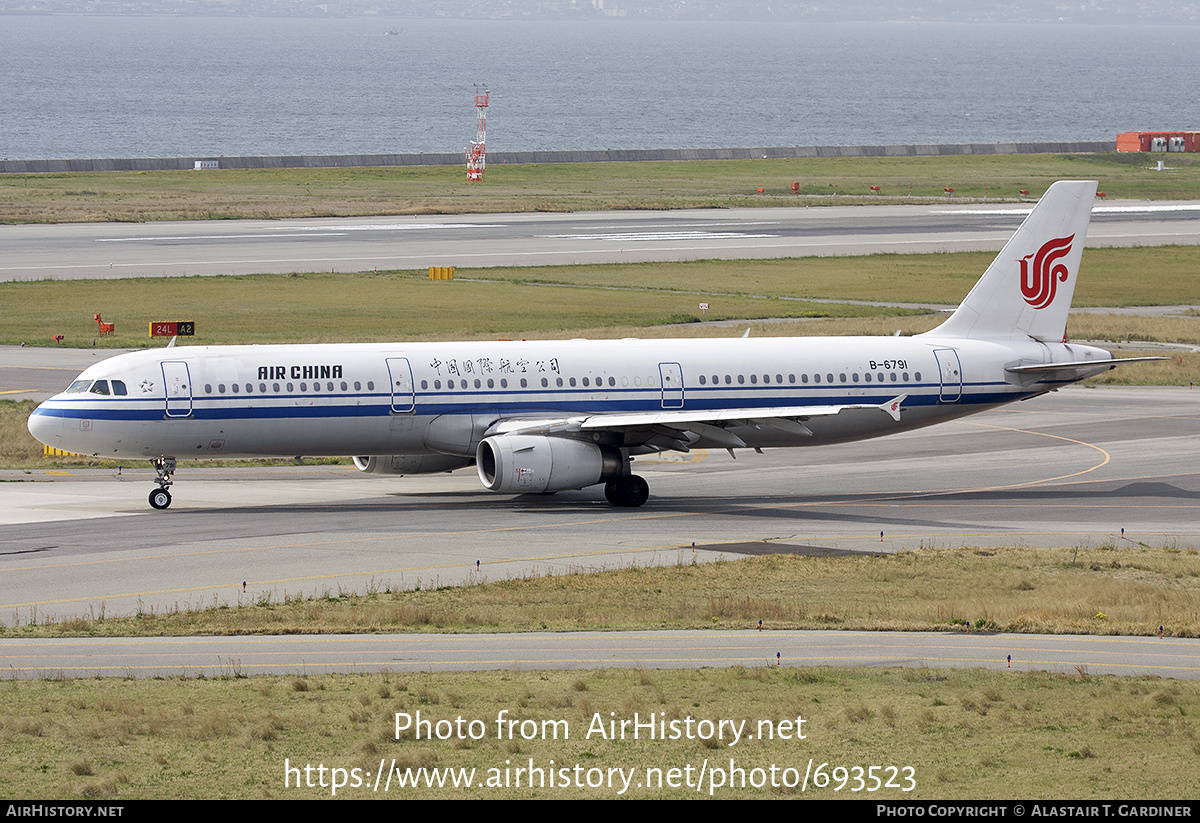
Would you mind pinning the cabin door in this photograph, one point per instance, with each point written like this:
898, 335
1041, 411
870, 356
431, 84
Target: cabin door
178, 386
400, 377
951, 375
672, 385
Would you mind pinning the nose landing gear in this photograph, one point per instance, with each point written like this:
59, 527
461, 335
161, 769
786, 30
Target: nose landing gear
160, 498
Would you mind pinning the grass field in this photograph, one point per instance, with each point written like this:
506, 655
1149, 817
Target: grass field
570, 301
963, 734
272, 193
1136, 587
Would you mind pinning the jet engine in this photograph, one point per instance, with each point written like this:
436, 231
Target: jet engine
531, 464
410, 463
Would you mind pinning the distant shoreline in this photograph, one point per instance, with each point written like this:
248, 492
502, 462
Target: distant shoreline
527, 157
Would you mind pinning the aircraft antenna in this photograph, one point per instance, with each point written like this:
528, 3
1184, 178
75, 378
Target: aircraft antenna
475, 154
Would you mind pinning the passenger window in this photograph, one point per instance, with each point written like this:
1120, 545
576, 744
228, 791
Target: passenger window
208, 388
235, 388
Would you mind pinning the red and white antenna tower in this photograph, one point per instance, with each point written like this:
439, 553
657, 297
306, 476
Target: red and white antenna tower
475, 154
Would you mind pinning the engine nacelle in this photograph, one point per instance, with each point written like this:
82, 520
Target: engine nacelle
410, 463
531, 464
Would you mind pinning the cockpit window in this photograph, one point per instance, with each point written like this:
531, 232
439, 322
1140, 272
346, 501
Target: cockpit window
118, 388
99, 387
78, 386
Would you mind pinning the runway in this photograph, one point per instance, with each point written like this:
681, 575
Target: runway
108, 250
1069, 469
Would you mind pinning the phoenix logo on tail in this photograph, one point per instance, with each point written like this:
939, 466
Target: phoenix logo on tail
1038, 286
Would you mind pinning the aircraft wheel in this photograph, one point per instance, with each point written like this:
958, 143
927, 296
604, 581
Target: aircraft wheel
631, 491
610, 493
637, 491
160, 498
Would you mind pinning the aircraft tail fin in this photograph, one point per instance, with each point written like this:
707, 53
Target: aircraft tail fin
1026, 291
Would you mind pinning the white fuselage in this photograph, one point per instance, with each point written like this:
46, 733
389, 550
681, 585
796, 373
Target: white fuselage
442, 398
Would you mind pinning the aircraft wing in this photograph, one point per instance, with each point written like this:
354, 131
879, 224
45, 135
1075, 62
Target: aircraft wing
668, 428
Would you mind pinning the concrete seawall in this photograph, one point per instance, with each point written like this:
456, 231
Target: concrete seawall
515, 157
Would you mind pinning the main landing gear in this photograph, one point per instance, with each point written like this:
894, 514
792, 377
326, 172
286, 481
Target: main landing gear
630, 491
160, 498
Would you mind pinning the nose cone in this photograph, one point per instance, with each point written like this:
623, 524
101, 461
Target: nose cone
46, 427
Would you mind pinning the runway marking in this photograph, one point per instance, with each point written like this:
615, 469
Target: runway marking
1101, 464
643, 236
16, 391
302, 232
44, 368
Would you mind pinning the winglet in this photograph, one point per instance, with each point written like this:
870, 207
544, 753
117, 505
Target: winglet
892, 407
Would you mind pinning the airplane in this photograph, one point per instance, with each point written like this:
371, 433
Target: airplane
538, 417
